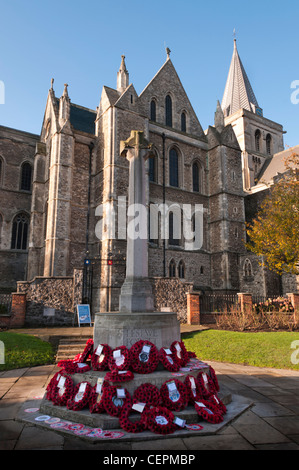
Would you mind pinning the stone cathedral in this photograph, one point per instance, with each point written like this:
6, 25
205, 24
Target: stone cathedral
53, 184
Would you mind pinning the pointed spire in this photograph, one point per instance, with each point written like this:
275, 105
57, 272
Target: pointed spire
238, 92
64, 107
219, 118
122, 76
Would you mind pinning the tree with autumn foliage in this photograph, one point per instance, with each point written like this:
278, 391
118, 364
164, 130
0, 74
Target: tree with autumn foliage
274, 233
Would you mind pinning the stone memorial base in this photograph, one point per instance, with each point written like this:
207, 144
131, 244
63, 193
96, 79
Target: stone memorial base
122, 328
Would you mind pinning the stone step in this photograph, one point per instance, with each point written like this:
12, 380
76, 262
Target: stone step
70, 347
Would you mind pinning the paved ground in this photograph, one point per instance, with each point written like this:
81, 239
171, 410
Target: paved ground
272, 423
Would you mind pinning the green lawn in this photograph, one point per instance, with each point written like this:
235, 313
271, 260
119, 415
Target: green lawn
261, 349
22, 350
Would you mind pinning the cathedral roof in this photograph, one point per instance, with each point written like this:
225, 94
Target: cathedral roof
238, 92
82, 119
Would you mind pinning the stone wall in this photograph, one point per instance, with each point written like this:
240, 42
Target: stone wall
52, 300
171, 293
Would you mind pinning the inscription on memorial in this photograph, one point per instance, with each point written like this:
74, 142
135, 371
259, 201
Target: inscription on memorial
131, 336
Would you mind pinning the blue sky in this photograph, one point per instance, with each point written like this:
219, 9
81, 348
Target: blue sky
81, 43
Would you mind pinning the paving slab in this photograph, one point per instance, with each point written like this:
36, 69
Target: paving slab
257, 431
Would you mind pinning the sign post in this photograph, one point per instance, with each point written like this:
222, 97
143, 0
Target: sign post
83, 312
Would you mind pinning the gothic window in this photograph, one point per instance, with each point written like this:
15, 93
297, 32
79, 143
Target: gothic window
183, 122
247, 268
26, 172
196, 177
257, 140
20, 229
173, 229
172, 268
268, 144
201, 270
236, 232
153, 110
168, 111
181, 269
152, 168
173, 168
1, 224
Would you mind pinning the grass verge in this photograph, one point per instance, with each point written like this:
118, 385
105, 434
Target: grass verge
279, 350
22, 350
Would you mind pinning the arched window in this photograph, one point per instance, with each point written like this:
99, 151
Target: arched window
196, 177
174, 229
172, 268
268, 144
173, 168
183, 122
1, 225
153, 110
247, 268
168, 111
26, 172
181, 269
20, 229
152, 168
257, 140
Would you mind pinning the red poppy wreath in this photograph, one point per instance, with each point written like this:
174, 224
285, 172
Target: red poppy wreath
119, 376
214, 378
119, 359
147, 393
72, 367
137, 425
114, 399
63, 391
179, 352
100, 357
80, 397
174, 395
144, 357
87, 352
219, 403
194, 390
160, 420
52, 385
206, 385
168, 361
96, 401
207, 414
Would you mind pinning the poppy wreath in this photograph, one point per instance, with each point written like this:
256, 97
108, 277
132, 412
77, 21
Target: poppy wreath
194, 394
176, 400
112, 403
136, 425
100, 362
159, 420
207, 414
79, 400
191, 354
214, 378
208, 389
221, 406
143, 362
52, 385
118, 376
68, 365
147, 393
125, 365
72, 367
63, 394
169, 362
179, 352
96, 402
87, 352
